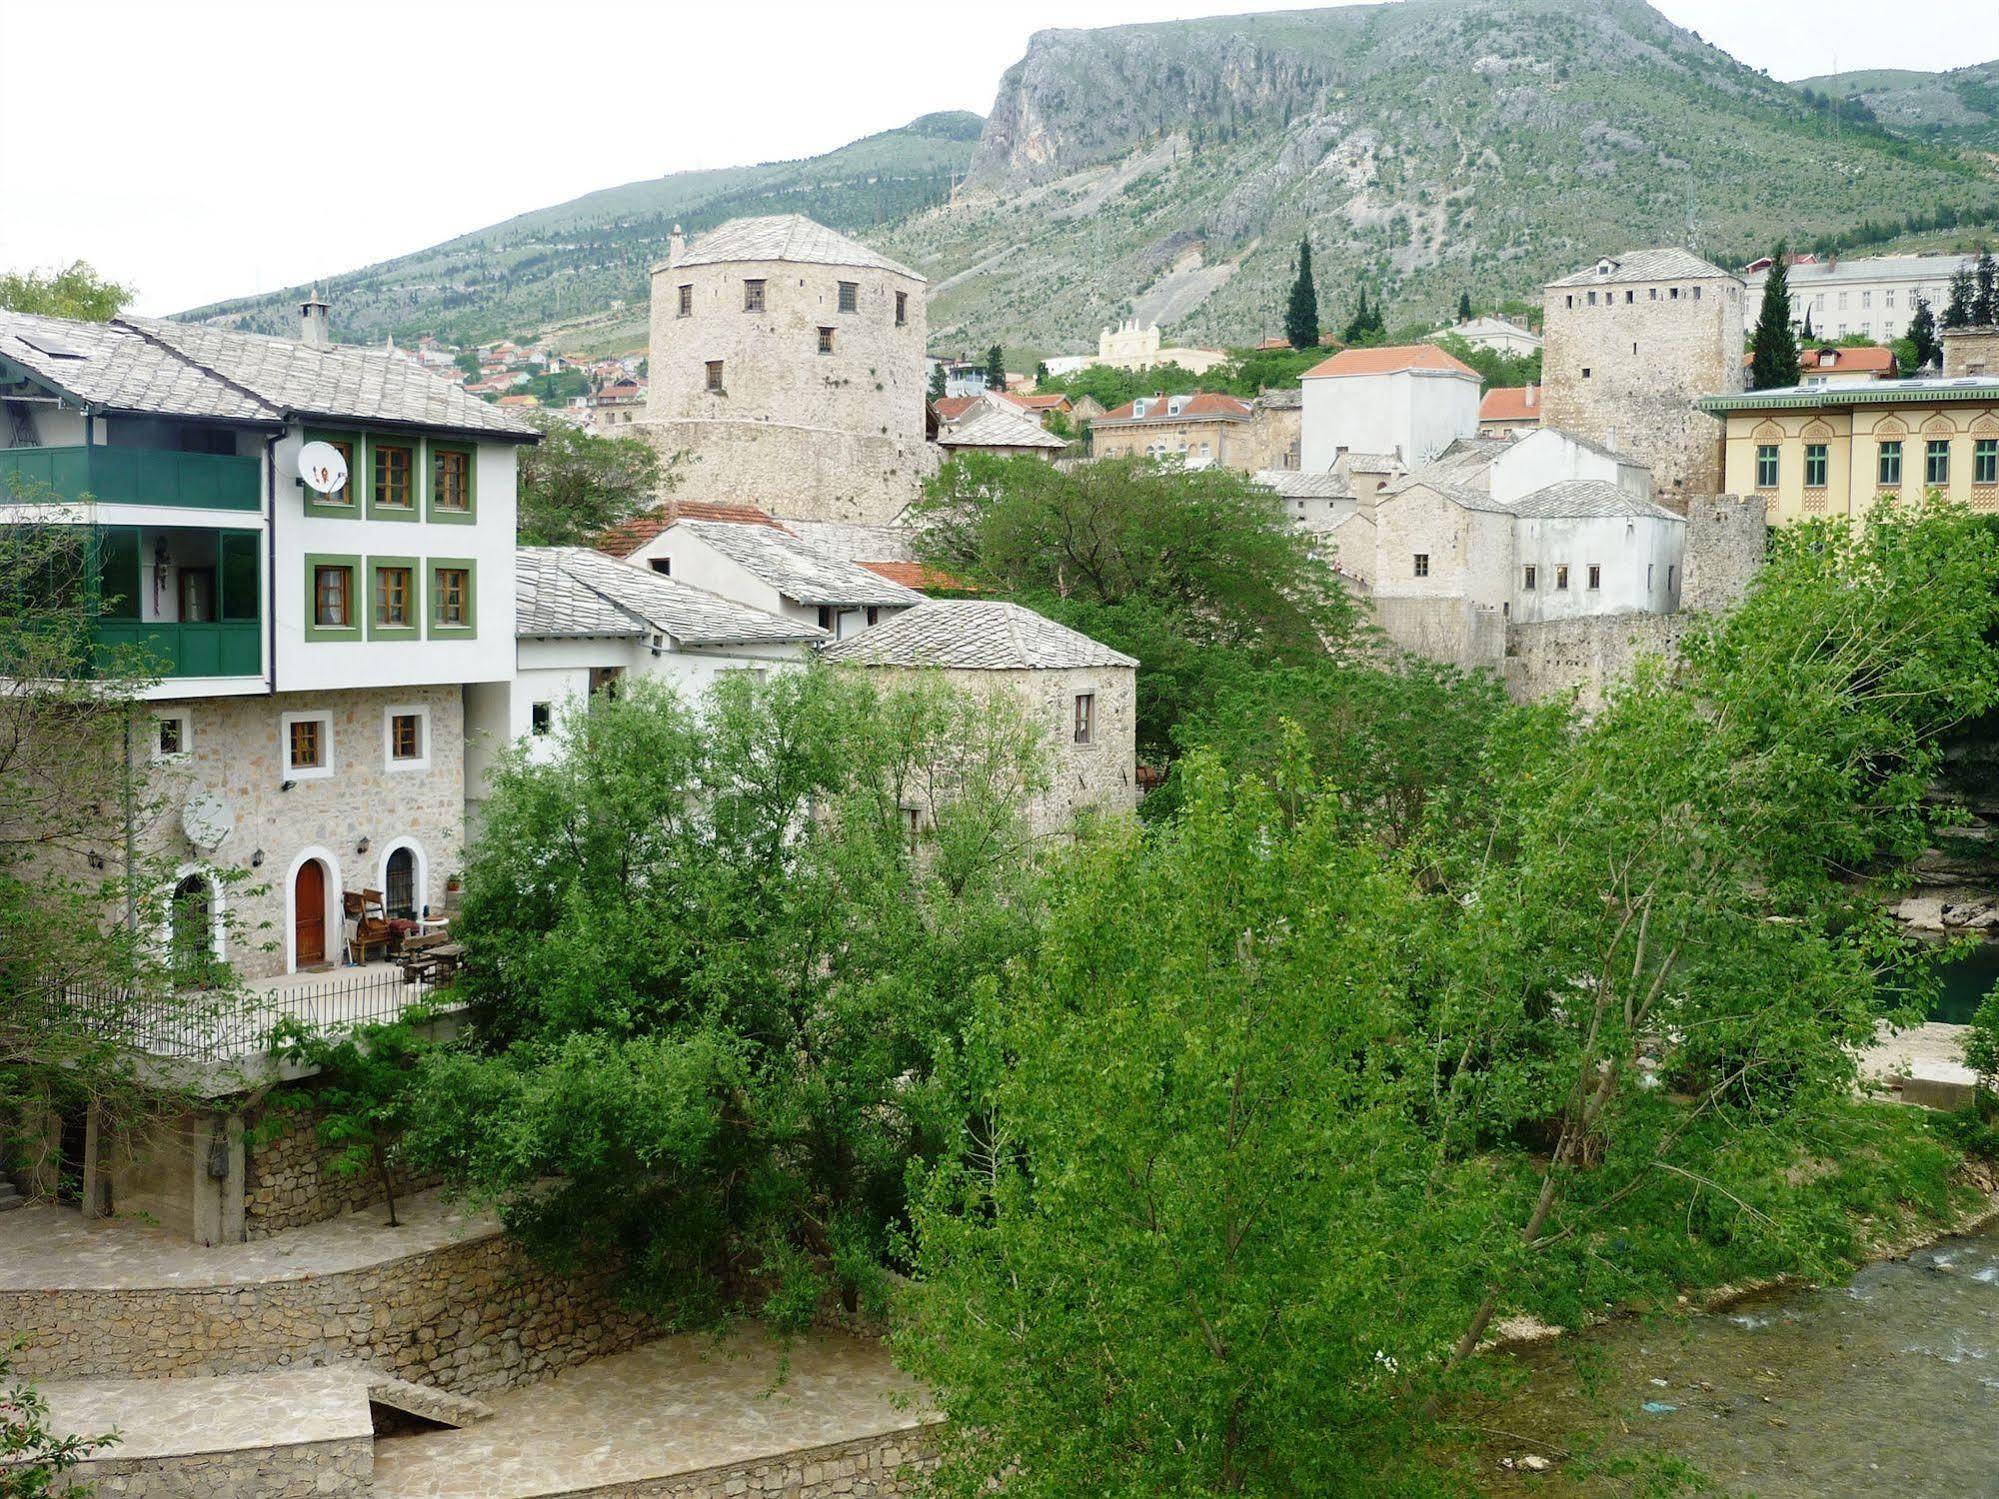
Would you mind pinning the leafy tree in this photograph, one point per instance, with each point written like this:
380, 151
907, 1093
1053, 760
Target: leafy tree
575, 485
1773, 344
1366, 326
1111, 386
1985, 295
1981, 1044
33, 1458
995, 368
1301, 313
1924, 349
71, 291
704, 1048
1464, 307
467, 361
361, 1103
1249, 372
1040, 372
936, 383
1197, 572
1958, 310
1495, 367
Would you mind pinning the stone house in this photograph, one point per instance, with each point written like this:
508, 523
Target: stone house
787, 361
1632, 342
996, 427
1411, 401
1203, 429
317, 637
1081, 691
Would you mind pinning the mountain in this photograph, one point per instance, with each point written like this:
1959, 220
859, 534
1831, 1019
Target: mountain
588, 260
1960, 107
1168, 171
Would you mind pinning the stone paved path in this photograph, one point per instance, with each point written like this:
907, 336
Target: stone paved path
676, 1406
47, 1248
180, 1417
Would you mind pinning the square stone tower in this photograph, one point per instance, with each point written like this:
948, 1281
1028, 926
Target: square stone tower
1630, 343
786, 372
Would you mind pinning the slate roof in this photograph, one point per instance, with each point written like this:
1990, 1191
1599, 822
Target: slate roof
628, 536
120, 369
796, 569
1669, 263
964, 634
785, 236
998, 427
1588, 499
1294, 484
1467, 461
1372, 463
575, 591
852, 541
1389, 361
1460, 494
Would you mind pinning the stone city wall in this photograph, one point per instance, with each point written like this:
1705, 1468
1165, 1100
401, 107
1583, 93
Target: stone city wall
1727, 541
306, 1471
471, 1316
796, 472
289, 1180
1587, 655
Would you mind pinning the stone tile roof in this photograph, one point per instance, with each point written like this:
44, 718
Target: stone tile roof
1372, 463
628, 536
786, 236
571, 591
1459, 494
1587, 499
113, 367
998, 427
1467, 461
1669, 263
973, 635
796, 569
333, 381
851, 541
1391, 360
1294, 484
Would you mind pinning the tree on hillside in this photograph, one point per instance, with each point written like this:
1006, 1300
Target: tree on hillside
575, 485
995, 369
1922, 336
936, 382
1495, 367
1464, 307
1366, 325
71, 291
1985, 293
1773, 344
467, 361
1963, 296
1301, 313
1111, 386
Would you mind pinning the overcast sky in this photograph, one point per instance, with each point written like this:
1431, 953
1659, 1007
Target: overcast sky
201, 149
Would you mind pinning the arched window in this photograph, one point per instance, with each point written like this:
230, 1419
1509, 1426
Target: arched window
191, 930
399, 894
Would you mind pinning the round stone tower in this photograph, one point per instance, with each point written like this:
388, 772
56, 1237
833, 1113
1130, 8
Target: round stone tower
786, 370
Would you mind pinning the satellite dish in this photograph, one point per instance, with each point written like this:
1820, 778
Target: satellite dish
207, 821
322, 467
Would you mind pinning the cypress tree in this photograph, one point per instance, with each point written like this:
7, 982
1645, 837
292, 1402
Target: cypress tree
1773, 363
936, 382
1464, 307
995, 370
1301, 313
1985, 298
1957, 311
1923, 334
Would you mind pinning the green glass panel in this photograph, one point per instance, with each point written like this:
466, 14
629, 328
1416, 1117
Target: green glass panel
239, 575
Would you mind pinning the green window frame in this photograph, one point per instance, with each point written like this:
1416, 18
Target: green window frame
412, 626
1766, 465
357, 601
355, 446
239, 573
1936, 461
440, 456
1985, 461
379, 449
1817, 463
438, 595
1888, 466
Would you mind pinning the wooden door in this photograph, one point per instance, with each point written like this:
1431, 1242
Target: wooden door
309, 914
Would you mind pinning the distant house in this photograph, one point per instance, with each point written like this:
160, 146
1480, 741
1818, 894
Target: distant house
1413, 401
1509, 408
1833, 365
1498, 334
998, 427
1201, 429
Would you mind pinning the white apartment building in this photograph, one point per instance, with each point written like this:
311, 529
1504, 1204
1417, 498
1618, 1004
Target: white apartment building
1874, 296
1410, 402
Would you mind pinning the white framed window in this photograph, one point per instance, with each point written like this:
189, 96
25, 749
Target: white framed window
405, 737
305, 745
1086, 718
541, 718
173, 736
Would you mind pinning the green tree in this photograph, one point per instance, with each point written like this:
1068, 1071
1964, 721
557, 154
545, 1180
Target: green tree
575, 485
1922, 335
1773, 344
1496, 368
360, 1104
1981, 1044
1985, 293
1464, 307
936, 383
467, 361
1249, 372
1366, 326
1301, 313
704, 1045
995, 369
1957, 312
33, 1457
71, 291
1111, 386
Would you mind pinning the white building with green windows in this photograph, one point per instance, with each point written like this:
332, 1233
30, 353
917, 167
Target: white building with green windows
312, 650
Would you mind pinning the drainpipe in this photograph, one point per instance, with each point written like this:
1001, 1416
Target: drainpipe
271, 563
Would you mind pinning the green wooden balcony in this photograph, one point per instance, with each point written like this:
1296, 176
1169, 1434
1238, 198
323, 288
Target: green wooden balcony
221, 648
131, 476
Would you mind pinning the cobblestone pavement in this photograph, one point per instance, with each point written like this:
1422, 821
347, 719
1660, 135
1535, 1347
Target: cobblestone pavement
679, 1405
181, 1417
51, 1248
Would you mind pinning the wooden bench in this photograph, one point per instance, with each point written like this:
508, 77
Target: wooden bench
434, 957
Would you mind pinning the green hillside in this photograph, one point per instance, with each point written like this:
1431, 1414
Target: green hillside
573, 262
1958, 108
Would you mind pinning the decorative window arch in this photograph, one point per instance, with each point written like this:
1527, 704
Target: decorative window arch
1939, 426
1817, 431
1986, 426
1890, 427
419, 883
1767, 431
196, 894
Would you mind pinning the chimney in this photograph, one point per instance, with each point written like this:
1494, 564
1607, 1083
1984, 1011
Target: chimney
313, 326
1533, 396
676, 246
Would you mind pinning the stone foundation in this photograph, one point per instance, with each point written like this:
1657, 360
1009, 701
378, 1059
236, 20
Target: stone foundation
307, 1471
475, 1315
884, 1467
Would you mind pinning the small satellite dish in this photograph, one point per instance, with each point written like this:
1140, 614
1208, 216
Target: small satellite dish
322, 467
207, 821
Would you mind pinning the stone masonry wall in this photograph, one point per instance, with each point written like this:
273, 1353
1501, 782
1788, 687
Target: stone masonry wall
1586, 655
309, 1470
883, 1467
1727, 539
289, 1181
472, 1316
795, 472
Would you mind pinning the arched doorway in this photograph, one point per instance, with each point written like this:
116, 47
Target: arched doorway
191, 929
399, 883
309, 914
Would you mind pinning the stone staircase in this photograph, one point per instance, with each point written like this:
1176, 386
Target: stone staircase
440, 1406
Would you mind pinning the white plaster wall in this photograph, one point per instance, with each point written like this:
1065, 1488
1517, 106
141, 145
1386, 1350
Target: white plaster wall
1639, 561
1545, 457
1413, 413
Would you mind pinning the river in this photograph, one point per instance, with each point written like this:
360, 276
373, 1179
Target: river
1886, 1385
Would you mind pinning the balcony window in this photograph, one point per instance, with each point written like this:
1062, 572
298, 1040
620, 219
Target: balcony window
1936, 462
1815, 465
1766, 465
1888, 466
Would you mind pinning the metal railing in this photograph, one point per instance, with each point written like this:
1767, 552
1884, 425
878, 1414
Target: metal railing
197, 1026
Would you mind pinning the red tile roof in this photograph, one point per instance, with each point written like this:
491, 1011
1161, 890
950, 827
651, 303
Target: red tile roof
952, 407
1511, 403
1389, 361
1055, 401
622, 540
917, 575
1203, 403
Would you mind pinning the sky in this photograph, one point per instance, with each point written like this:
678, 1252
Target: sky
202, 149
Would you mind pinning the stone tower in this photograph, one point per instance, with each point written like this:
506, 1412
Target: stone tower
786, 365
1630, 344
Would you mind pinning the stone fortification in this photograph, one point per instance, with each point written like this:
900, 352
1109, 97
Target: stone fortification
1727, 540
